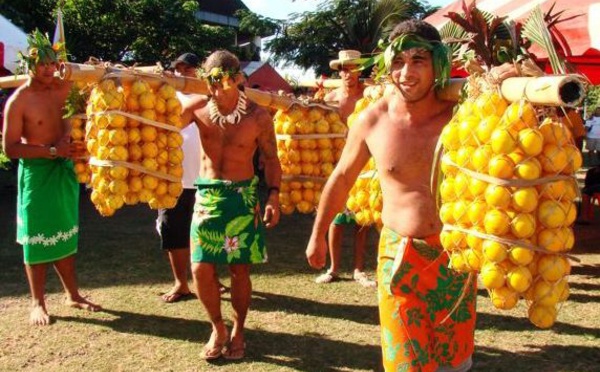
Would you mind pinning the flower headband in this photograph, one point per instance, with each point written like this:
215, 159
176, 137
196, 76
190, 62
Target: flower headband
40, 50
218, 75
440, 54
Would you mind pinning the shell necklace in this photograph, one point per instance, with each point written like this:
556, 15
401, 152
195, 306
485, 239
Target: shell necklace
234, 118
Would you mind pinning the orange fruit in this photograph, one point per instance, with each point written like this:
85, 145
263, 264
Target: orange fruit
525, 199
519, 279
498, 196
542, 316
504, 298
528, 169
503, 141
492, 275
523, 225
552, 214
501, 166
494, 251
530, 141
480, 158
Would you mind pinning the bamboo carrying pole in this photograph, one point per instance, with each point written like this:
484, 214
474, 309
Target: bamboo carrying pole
94, 73
552, 90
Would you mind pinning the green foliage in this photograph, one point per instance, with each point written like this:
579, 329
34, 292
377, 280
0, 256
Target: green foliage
312, 39
592, 99
256, 25
144, 31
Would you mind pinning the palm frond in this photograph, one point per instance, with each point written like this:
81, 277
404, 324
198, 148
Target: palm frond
536, 30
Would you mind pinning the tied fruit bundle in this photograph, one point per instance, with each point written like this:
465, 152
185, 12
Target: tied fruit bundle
83, 172
364, 199
507, 200
310, 139
134, 143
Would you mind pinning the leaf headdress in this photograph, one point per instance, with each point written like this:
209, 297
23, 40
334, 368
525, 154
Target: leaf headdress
40, 50
440, 53
218, 75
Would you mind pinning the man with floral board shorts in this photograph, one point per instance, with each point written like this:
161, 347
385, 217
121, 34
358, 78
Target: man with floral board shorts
227, 226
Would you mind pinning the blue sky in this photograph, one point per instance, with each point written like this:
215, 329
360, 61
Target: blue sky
281, 8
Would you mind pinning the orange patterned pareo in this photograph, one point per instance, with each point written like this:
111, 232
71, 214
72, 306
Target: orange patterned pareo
416, 292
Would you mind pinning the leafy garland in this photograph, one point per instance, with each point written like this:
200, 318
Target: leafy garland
40, 50
441, 56
218, 75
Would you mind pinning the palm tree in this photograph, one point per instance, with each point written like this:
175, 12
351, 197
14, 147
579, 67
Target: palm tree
311, 39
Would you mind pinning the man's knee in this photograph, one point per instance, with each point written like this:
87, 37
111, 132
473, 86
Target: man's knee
239, 271
202, 270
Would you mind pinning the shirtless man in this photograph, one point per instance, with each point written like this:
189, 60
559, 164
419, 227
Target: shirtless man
226, 226
48, 192
421, 330
346, 97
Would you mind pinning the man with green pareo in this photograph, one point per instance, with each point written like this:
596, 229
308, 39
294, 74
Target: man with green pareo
427, 311
227, 224
48, 192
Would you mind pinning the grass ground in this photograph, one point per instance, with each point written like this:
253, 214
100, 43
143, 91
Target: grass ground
293, 325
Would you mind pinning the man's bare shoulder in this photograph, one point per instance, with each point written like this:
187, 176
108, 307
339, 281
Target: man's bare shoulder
333, 95
260, 114
374, 112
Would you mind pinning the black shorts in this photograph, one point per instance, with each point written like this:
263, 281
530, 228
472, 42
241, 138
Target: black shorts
173, 225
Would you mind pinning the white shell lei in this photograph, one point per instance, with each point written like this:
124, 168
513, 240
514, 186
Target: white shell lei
234, 118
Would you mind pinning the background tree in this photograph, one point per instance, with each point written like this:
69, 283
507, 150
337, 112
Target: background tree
254, 25
143, 31
311, 39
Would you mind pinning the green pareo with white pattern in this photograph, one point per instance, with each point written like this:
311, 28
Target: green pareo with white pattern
226, 226
47, 210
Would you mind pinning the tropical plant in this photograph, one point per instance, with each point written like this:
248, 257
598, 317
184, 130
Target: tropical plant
312, 39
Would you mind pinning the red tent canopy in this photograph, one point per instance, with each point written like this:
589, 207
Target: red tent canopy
582, 34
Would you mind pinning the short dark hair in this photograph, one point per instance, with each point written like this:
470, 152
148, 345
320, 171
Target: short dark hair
223, 59
416, 27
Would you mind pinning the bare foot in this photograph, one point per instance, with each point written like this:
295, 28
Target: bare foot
39, 316
81, 303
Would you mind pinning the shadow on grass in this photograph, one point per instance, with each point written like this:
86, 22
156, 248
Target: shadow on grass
585, 286
300, 352
588, 270
511, 323
550, 358
262, 301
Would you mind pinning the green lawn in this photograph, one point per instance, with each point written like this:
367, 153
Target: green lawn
293, 325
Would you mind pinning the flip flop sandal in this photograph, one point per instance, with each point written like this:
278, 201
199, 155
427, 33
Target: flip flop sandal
326, 278
234, 353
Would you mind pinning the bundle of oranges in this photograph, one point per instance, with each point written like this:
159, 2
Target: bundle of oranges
83, 171
310, 140
508, 201
133, 139
365, 199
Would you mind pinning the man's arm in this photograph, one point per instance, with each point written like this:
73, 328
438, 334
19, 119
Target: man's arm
267, 145
193, 103
354, 157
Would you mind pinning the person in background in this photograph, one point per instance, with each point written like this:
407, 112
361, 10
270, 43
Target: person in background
346, 97
591, 186
173, 224
592, 141
48, 193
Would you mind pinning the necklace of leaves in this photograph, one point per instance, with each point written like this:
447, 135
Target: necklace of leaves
233, 118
